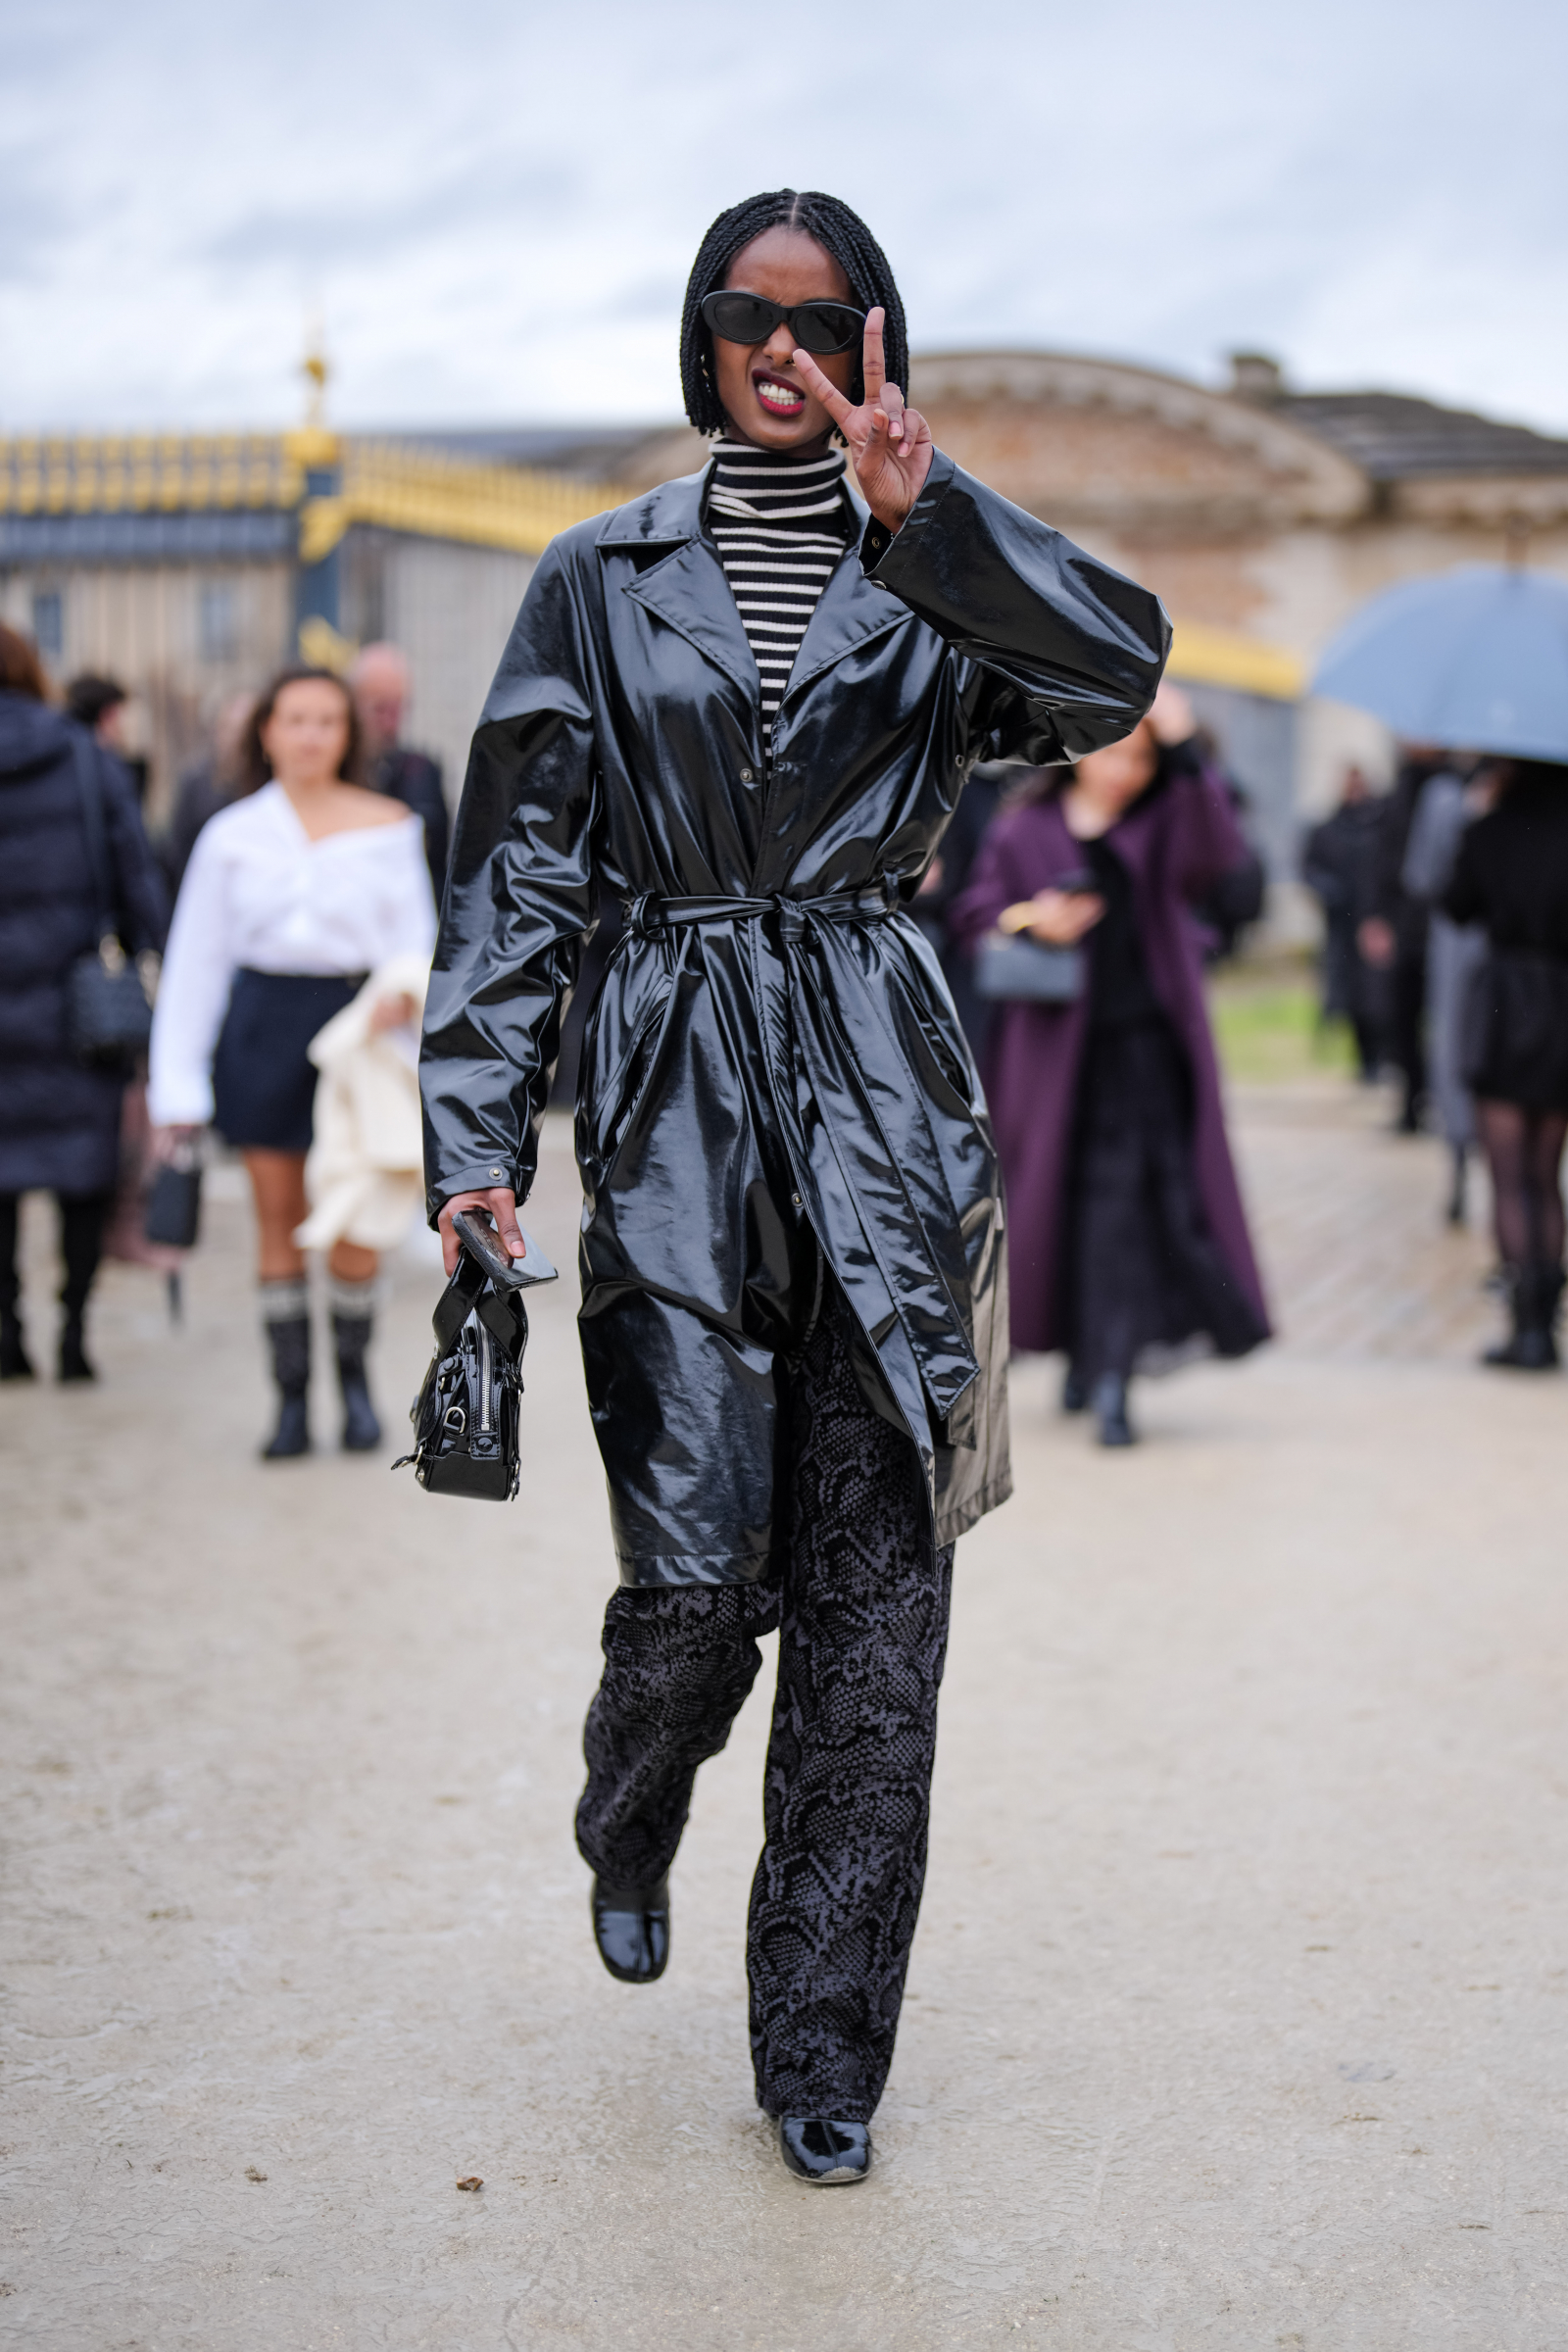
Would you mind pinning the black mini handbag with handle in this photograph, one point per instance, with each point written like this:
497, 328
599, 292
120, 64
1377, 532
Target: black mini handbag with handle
174, 1213
466, 1414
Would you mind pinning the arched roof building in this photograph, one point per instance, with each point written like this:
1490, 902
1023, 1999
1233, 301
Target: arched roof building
1262, 516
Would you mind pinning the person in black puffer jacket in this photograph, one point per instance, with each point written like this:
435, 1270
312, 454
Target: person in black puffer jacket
58, 1120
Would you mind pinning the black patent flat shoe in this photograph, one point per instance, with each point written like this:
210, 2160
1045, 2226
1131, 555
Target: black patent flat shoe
824, 2149
631, 1928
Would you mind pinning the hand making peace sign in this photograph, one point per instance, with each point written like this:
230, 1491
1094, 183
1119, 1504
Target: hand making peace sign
890, 445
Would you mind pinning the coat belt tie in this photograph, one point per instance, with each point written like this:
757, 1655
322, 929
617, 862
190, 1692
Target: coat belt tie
890, 1226
871, 903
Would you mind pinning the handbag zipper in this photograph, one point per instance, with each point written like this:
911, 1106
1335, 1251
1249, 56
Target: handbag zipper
484, 1381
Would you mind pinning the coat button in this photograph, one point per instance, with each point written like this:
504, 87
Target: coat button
745, 775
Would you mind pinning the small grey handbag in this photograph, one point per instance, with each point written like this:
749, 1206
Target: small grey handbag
1024, 971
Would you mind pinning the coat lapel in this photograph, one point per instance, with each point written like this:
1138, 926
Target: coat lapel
850, 612
689, 592
687, 589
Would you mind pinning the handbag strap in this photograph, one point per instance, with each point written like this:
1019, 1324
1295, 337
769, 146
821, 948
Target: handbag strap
507, 1320
469, 1291
99, 861
457, 1303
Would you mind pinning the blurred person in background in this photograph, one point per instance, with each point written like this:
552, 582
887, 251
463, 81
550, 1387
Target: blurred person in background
58, 1118
1341, 861
945, 879
294, 893
103, 707
204, 789
1392, 937
1235, 899
379, 679
1126, 1236
1455, 952
1510, 877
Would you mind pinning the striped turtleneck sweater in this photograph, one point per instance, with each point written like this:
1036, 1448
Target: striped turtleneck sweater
780, 524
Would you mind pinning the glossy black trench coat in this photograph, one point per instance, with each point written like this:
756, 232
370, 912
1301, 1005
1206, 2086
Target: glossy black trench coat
774, 1077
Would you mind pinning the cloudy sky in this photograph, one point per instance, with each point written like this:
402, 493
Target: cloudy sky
493, 207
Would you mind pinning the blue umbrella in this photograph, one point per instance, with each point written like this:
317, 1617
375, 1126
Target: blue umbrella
1477, 658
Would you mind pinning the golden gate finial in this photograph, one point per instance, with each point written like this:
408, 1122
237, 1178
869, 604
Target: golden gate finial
316, 370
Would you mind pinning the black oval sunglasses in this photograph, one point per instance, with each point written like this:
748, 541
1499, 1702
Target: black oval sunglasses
818, 327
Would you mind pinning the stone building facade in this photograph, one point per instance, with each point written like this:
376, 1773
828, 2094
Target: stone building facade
192, 565
1262, 518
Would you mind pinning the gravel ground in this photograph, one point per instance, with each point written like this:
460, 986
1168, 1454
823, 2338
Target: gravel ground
1236, 2018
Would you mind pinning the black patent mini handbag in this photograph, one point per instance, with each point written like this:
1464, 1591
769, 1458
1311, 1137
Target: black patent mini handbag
466, 1414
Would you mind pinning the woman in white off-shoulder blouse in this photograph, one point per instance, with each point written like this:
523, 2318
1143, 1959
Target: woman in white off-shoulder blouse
293, 896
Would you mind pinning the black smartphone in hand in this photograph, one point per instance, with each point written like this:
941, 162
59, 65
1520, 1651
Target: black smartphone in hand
480, 1237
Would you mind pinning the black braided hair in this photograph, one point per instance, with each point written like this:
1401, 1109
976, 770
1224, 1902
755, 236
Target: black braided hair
840, 232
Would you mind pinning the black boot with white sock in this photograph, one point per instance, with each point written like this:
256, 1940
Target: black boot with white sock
353, 1305
286, 1320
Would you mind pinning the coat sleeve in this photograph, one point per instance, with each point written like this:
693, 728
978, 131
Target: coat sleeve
1207, 841
1320, 869
518, 899
1433, 842
143, 899
437, 831
996, 880
1071, 651
192, 992
424, 796
1465, 898
411, 909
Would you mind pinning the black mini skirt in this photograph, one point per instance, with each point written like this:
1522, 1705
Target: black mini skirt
264, 1081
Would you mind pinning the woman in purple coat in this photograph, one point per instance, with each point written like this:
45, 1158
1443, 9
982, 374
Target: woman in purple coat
1126, 1233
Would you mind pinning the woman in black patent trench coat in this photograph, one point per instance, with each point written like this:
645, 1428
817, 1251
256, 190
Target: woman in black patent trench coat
779, 1126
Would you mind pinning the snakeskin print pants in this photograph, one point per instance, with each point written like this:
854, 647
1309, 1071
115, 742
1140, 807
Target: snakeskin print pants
861, 1604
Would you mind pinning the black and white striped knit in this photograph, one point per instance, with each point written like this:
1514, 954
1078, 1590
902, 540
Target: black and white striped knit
780, 523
